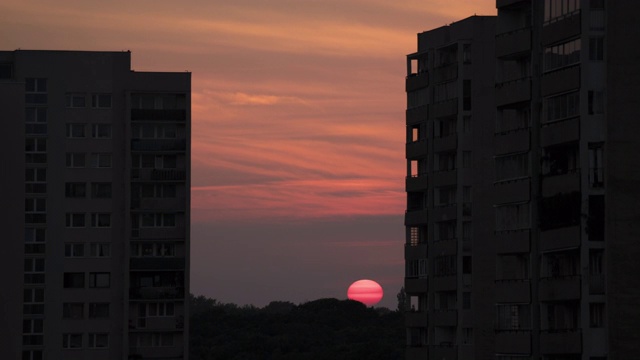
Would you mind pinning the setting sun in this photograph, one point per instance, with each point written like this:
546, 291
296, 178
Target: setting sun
367, 292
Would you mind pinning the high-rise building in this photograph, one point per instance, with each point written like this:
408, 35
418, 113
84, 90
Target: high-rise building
95, 215
545, 264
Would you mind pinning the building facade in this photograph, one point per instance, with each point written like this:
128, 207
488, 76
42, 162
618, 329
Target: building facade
553, 262
97, 213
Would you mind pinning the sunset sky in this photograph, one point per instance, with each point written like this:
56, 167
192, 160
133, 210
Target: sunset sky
298, 127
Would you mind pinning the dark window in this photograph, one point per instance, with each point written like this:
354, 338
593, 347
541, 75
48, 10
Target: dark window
595, 220
101, 190
73, 280
75, 190
561, 210
6, 71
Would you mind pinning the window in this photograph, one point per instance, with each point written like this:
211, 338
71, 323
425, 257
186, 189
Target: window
101, 220
33, 301
73, 310
75, 130
562, 55
414, 133
512, 267
466, 201
154, 339
35, 211
446, 91
36, 91
560, 264
595, 102
417, 98
73, 280
513, 317
467, 336
101, 160
560, 159
466, 53
557, 9
35, 355
596, 49
595, 218
562, 106
75, 220
99, 249
99, 280
75, 160
466, 300
34, 265
416, 235
445, 161
98, 310
32, 332
445, 230
157, 220
6, 70
75, 100
466, 95
445, 127
512, 217
416, 200
98, 340
73, 250
151, 131
101, 190
466, 265
35, 145
101, 101
162, 309
596, 315
71, 341
513, 166
35, 115
101, 131
445, 265
158, 101
466, 159
466, 124
146, 161
445, 196
34, 235
512, 119
35, 180
148, 249
75, 190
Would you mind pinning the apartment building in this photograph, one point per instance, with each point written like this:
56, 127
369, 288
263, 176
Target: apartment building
554, 264
96, 161
450, 101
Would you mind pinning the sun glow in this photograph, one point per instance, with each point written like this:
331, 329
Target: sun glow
367, 292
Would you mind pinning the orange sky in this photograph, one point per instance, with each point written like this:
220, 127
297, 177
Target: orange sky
298, 112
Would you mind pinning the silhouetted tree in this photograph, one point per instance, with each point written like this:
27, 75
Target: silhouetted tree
404, 303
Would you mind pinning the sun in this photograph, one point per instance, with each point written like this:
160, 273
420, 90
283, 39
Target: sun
365, 291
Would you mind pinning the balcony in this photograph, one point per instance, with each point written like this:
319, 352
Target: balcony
561, 28
159, 263
559, 288
416, 217
563, 183
415, 286
445, 247
417, 114
415, 183
158, 145
559, 81
512, 191
415, 319
443, 352
445, 143
513, 91
505, 3
178, 232
157, 323
560, 132
445, 178
177, 203
513, 291
158, 174
511, 142
416, 149
513, 42
444, 213
445, 108
416, 353
153, 293
446, 73
164, 352
445, 283
562, 238
444, 318
158, 115
512, 242
415, 252
561, 342
513, 342
417, 81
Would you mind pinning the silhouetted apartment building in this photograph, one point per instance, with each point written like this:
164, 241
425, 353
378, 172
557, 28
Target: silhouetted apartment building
95, 215
523, 243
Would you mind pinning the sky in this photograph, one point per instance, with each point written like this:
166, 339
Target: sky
297, 127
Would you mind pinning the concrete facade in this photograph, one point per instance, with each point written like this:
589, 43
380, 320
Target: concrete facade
104, 164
